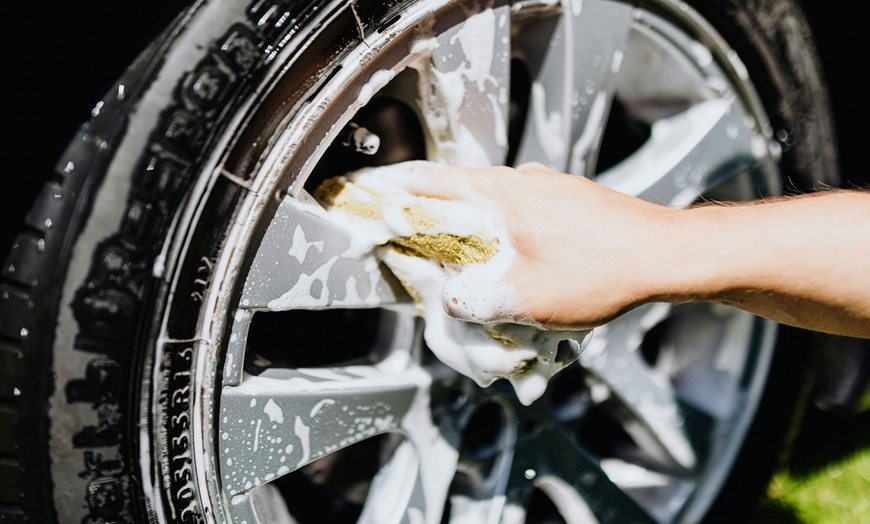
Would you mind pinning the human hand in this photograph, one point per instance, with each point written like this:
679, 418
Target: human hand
435, 230
580, 249
576, 254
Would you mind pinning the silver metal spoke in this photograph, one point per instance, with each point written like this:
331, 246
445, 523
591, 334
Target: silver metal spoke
614, 359
706, 357
687, 154
264, 504
575, 75
304, 262
393, 494
463, 90
565, 467
487, 508
648, 487
497, 498
412, 484
570, 504
285, 419
550, 60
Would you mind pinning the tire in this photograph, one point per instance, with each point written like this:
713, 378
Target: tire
146, 375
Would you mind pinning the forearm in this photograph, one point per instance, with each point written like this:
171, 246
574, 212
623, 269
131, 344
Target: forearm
801, 261
582, 254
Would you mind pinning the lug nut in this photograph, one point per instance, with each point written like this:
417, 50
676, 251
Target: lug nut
362, 140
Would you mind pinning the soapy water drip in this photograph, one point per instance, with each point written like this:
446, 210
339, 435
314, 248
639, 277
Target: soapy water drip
441, 249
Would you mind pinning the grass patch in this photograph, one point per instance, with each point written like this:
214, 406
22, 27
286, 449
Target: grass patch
827, 478
840, 492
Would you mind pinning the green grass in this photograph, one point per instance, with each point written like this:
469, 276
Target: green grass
827, 478
840, 492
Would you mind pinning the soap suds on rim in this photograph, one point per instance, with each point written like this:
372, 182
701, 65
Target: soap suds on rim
449, 254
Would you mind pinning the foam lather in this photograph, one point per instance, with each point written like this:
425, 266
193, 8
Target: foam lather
441, 249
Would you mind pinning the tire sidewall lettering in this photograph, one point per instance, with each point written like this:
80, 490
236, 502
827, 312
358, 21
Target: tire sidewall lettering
106, 307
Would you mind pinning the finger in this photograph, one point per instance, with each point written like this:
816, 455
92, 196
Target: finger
416, 177
455, 231
536, 167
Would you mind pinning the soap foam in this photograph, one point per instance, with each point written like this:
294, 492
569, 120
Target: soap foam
442, 249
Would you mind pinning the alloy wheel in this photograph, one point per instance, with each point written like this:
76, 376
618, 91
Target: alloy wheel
314, 389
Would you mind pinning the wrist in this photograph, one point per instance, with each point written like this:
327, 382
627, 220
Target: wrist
690, 252
660, 255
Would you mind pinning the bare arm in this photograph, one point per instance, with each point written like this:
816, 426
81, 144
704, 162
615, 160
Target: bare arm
587, 254
802, 261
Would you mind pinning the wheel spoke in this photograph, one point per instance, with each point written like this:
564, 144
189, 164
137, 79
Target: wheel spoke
463, 90
708, 357
486, 508
687, 154
284, 419
570, 504
656, 423
574, 75
575, 482
412, 485
394, 494
305, 262
496, 496
264, 504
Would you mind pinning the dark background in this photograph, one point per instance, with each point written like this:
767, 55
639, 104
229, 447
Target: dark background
63, 57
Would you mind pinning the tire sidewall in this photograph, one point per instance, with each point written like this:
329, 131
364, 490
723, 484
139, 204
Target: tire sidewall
135, 174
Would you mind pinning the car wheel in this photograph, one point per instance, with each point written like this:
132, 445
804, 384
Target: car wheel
183, 344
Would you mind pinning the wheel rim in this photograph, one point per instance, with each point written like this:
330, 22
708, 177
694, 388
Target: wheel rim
643, 427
